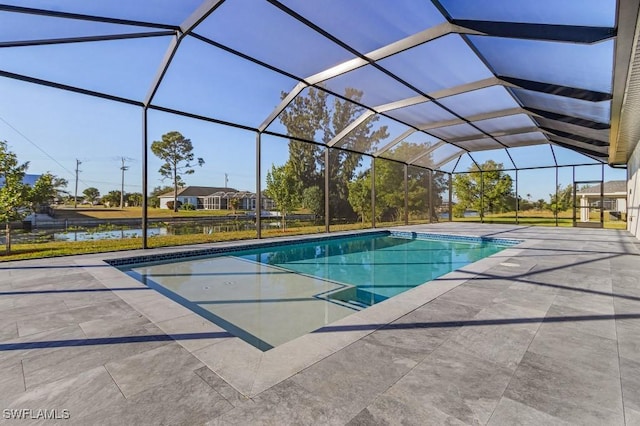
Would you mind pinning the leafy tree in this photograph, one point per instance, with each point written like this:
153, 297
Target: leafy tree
234, 204
390, 188
563, 201
13, 192
496, 187
154, 200
313, 199
177, 153
45, 190
91, 194
314, 117
134, 199
283, 189
360, 195
112, 198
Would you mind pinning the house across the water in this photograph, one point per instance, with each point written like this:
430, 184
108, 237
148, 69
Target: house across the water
215, 198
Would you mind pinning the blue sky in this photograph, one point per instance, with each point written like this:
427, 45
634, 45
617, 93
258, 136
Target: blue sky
52, 128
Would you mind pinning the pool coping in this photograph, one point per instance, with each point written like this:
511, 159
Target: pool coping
246, 368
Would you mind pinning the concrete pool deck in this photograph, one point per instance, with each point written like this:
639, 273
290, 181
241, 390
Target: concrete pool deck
547, 332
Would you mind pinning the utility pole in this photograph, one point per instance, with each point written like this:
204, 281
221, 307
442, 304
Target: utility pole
226, 180
75, 195
123, 168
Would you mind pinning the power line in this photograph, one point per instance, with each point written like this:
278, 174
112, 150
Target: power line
72, 173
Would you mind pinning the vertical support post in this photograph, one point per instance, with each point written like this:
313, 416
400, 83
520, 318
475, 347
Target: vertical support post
327, 174
258, 187
517, 201
430, 192
450, 197
556, 210
145, 183
481, 197
573, 201
602, 197
406, 194
373, 192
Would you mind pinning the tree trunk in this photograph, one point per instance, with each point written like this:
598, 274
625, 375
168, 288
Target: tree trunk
284, 221
175, 194
7, 242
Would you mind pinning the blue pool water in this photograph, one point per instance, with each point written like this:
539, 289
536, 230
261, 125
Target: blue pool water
379, 267
268, 294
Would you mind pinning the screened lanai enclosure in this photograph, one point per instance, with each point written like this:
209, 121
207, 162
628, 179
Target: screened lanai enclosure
339, 114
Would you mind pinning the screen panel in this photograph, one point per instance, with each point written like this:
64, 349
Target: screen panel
595, 111
371, 135
374, 86
117, 67
455, 131
157, 11
584, 66
438, 64
422, 114
290, 45
493, 98
377, 24
496, 126
222, 86
532, 156
523, 139
599, 13
410, 147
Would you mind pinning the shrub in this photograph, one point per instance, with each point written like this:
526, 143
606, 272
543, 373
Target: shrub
170, 204
187, 206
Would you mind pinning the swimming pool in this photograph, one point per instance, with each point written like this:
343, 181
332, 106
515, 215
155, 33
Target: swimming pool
268, 294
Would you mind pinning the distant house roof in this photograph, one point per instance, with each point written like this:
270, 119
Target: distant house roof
197, 191
611, 187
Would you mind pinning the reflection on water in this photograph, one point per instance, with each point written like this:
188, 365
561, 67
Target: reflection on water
123, 232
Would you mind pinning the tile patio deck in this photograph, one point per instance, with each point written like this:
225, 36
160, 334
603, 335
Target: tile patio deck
547, 332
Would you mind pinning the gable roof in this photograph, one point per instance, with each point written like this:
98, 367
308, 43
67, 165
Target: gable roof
197, 191
611, 187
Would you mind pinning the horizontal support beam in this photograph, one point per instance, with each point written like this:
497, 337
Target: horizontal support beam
574, 137
282, 105
351, 127
112, 37
581, 150
203, 118
69, 88
478, 117
494, 135
569, 120
403, 103
383, 52
448, 159
556, 89
547, 32
200, 14
426, 152
394, 142
463, 88
83, 17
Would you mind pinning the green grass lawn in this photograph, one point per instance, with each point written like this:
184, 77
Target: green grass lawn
541, 218
66, 248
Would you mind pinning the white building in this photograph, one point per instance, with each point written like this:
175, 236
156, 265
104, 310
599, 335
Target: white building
215, 198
